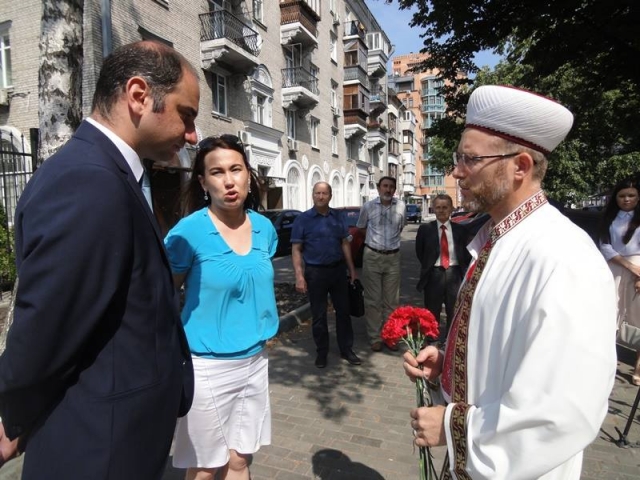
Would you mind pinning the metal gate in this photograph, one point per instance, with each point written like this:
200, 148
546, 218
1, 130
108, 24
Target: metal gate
18, 161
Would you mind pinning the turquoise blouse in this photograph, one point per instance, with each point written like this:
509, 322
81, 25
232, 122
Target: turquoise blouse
230, 307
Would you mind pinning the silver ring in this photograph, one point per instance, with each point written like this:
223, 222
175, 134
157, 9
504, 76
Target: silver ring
415, 433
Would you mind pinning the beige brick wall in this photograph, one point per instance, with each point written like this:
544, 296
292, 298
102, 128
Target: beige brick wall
24, 18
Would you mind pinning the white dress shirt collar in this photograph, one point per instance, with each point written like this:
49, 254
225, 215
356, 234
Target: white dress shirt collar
129, 154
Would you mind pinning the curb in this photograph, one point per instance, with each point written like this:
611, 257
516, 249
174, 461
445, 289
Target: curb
296, 317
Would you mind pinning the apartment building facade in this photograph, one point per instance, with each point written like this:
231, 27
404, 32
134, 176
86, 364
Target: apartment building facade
301, 83
419, 92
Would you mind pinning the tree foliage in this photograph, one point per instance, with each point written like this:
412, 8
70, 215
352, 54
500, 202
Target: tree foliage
581, 52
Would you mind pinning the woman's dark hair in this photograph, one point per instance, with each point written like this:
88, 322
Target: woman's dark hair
612, 209
193, 197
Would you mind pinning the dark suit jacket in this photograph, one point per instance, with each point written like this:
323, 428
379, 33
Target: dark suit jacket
97, 364
428, 248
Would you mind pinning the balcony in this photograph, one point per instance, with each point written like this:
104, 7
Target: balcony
298, 24
299, 88
376, 135
378, 56
225, 39
355, 122
354, 28
426, 108
377, 100
355, 73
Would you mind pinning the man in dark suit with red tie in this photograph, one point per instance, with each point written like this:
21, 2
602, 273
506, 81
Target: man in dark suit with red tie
441, 249
97, 368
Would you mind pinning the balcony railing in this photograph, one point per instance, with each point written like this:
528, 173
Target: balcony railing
299, 77
222, 24
355, 72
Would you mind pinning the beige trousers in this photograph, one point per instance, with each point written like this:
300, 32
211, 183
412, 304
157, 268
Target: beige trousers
381, 282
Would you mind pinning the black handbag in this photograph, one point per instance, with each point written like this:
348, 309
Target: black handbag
356, 298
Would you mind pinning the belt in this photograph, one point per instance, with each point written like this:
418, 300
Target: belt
383, 252
328, 265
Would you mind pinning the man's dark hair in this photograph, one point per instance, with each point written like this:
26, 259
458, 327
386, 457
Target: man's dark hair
159, 65
443, 196
395, 183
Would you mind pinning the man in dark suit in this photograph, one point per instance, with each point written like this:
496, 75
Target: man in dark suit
97, 369
441, 247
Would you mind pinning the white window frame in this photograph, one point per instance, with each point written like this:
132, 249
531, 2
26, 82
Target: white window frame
291, 124
262, 96
314, 125
334, 141
333, 46
258, 10
219, 91
334, 95
6, 80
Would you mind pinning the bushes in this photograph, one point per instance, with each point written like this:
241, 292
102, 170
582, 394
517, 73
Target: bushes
7, 253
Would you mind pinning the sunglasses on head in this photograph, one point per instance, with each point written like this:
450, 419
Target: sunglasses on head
208, 142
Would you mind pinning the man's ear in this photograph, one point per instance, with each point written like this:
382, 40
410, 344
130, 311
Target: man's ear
523, 165
138, 97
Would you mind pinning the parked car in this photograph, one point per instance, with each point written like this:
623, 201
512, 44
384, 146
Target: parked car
283, 223
351, 215
412, 213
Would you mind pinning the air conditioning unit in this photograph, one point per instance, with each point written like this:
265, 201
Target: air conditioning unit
336, 19
4, 97
336, 111
245, 137
293, 145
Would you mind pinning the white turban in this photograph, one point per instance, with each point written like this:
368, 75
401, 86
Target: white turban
519, 116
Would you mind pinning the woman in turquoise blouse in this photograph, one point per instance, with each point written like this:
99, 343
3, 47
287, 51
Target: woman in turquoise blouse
222, 253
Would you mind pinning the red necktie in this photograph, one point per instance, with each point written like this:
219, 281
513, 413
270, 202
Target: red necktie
444, 248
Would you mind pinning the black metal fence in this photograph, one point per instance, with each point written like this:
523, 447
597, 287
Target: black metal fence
18, 161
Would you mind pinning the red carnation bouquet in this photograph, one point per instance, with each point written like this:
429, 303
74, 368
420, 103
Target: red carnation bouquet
413, 326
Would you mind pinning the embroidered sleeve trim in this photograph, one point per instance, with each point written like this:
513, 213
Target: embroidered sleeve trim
459, 436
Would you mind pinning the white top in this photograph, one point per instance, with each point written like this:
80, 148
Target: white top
384, 223
617, 229
541, 353
129, 154
453, 258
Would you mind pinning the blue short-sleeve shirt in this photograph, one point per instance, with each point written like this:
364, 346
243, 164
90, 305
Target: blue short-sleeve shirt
320, 235
230, 307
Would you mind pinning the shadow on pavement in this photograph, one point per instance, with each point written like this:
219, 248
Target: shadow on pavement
334, 465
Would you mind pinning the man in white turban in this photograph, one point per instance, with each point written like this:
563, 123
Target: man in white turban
530, 358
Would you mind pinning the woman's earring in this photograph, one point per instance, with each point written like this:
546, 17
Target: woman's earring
206, 196
249, 182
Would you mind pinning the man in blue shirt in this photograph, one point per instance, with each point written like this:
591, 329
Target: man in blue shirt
321, 251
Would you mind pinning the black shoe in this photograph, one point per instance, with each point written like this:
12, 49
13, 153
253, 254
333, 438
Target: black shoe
352, 358
321, 361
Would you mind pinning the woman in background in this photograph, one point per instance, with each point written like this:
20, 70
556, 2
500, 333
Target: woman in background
222, 252
620, 244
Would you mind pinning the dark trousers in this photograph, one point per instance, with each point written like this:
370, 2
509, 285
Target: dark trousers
442, 287
333, 281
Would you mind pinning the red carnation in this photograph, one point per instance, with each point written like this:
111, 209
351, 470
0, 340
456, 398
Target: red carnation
412, 326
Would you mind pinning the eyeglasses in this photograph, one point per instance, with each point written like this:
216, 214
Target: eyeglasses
470, 160
209, 142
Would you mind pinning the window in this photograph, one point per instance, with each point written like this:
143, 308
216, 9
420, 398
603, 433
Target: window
260, 114
219, 91
334, 47
293, 189
313, 127
257, 9
334, 94
291, 124
5, 57
334, 141
262, 92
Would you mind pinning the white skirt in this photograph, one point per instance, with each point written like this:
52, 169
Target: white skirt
230, 411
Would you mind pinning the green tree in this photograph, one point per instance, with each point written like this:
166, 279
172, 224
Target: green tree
579, 52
